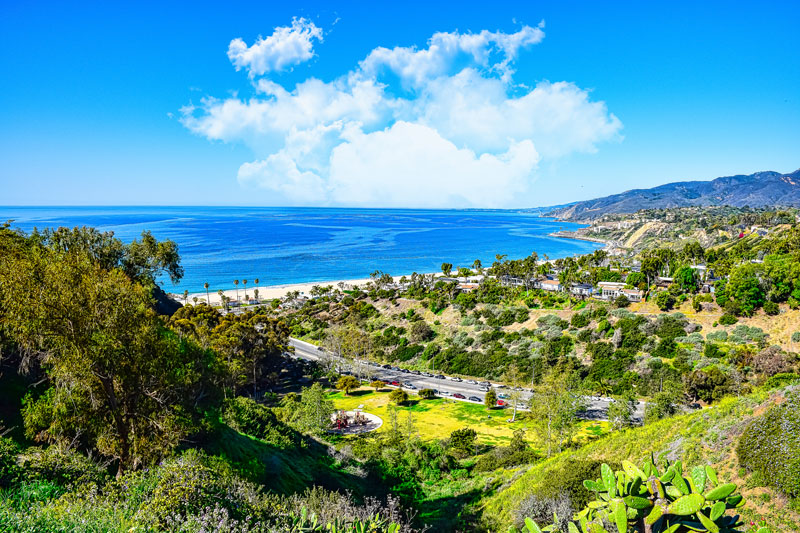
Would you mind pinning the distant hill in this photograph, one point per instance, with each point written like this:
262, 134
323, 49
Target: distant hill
756, 190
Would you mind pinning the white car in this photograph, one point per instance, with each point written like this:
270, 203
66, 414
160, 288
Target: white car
472, 382
456, 379
445, 393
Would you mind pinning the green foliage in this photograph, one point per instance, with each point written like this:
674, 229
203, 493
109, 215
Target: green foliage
426, 394
770, 446
312, 414
245, 415
665, 501
463, 440
664, 300
10, 472
728, 319
398, 396
490, 399
621, 301
348, 384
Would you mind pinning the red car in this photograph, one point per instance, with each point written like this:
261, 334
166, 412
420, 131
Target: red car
459, 396
395, 383
501, 403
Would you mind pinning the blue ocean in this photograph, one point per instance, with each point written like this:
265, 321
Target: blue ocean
282, 245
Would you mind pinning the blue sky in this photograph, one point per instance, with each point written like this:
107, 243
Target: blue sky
418, 104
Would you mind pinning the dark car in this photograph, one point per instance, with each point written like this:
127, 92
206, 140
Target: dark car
459, 396
415, 372
405, 371
387, 367
440, 377
475, 399
427, 374
396, 368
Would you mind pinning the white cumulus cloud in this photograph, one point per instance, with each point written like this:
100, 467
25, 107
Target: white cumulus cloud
440, 126
287, 46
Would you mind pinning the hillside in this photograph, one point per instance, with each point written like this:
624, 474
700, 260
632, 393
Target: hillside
754, 190
709, 436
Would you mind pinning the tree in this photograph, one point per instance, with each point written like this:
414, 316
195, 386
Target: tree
236, 283
745, 289
244, 282
377, 384
313, 412
554, 406
464, 440
477, 266
398, 396
686, 279
208, 298
447, 268
621, 301
185, 297
348, 384
490, 400
621, 412
120, 381
665, 301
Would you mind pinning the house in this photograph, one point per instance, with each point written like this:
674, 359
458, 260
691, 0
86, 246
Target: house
609, 289
581, 289
552, 285
633, 295
663, 282
467, 287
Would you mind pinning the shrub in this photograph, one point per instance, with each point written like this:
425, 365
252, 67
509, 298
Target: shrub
771, 308
9, 470
580, 320
781, 380
665, 301
727, 319
60, 466
621, 301
770, 446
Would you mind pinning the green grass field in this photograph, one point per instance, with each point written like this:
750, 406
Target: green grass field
436, 419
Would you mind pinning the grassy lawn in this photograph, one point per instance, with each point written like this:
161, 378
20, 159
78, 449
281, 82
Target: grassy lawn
436, 419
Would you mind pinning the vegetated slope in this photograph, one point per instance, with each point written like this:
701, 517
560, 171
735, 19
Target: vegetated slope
708, 436
754, 190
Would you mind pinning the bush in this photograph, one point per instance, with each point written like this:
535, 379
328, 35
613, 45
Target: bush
727, 319
398, 396
770, 446
665, 301
579, 320
621, 301
771, 308
9, 470
60, 466
781, 380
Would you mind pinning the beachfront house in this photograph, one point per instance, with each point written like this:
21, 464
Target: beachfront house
633, 295
467, 287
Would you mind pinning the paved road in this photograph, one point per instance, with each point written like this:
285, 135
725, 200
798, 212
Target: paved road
597, 407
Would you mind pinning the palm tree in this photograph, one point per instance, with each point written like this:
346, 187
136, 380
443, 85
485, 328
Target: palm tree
244, 282
236, 282
208, 298
195, 300
221, 297
185, 297
255, 291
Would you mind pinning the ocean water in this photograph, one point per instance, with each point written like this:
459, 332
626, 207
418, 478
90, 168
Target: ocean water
282, 245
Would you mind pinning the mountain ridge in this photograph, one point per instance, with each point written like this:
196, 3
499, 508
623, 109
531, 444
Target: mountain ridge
765, 188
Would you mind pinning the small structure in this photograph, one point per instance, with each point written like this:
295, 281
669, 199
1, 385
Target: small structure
582, 289
609, 289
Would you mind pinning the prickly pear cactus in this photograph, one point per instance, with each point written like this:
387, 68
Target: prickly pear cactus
648, 500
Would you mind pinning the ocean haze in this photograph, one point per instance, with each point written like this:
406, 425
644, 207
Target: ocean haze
281, 245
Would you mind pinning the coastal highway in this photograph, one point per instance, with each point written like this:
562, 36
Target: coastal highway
597, 407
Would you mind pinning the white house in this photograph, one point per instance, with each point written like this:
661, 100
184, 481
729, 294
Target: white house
552, 285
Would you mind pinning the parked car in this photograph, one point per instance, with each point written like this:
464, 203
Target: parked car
440, 377
475, 399
405, 371
427, 374
459, 396
485, 389
387, 367
444, 393
472, 382
415, 372
394, 383
456, 379
396, 368
503, 396
501, 403
436, 392
409, 385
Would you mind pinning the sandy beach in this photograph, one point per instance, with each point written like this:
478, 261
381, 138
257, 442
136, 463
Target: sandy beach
267, 292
